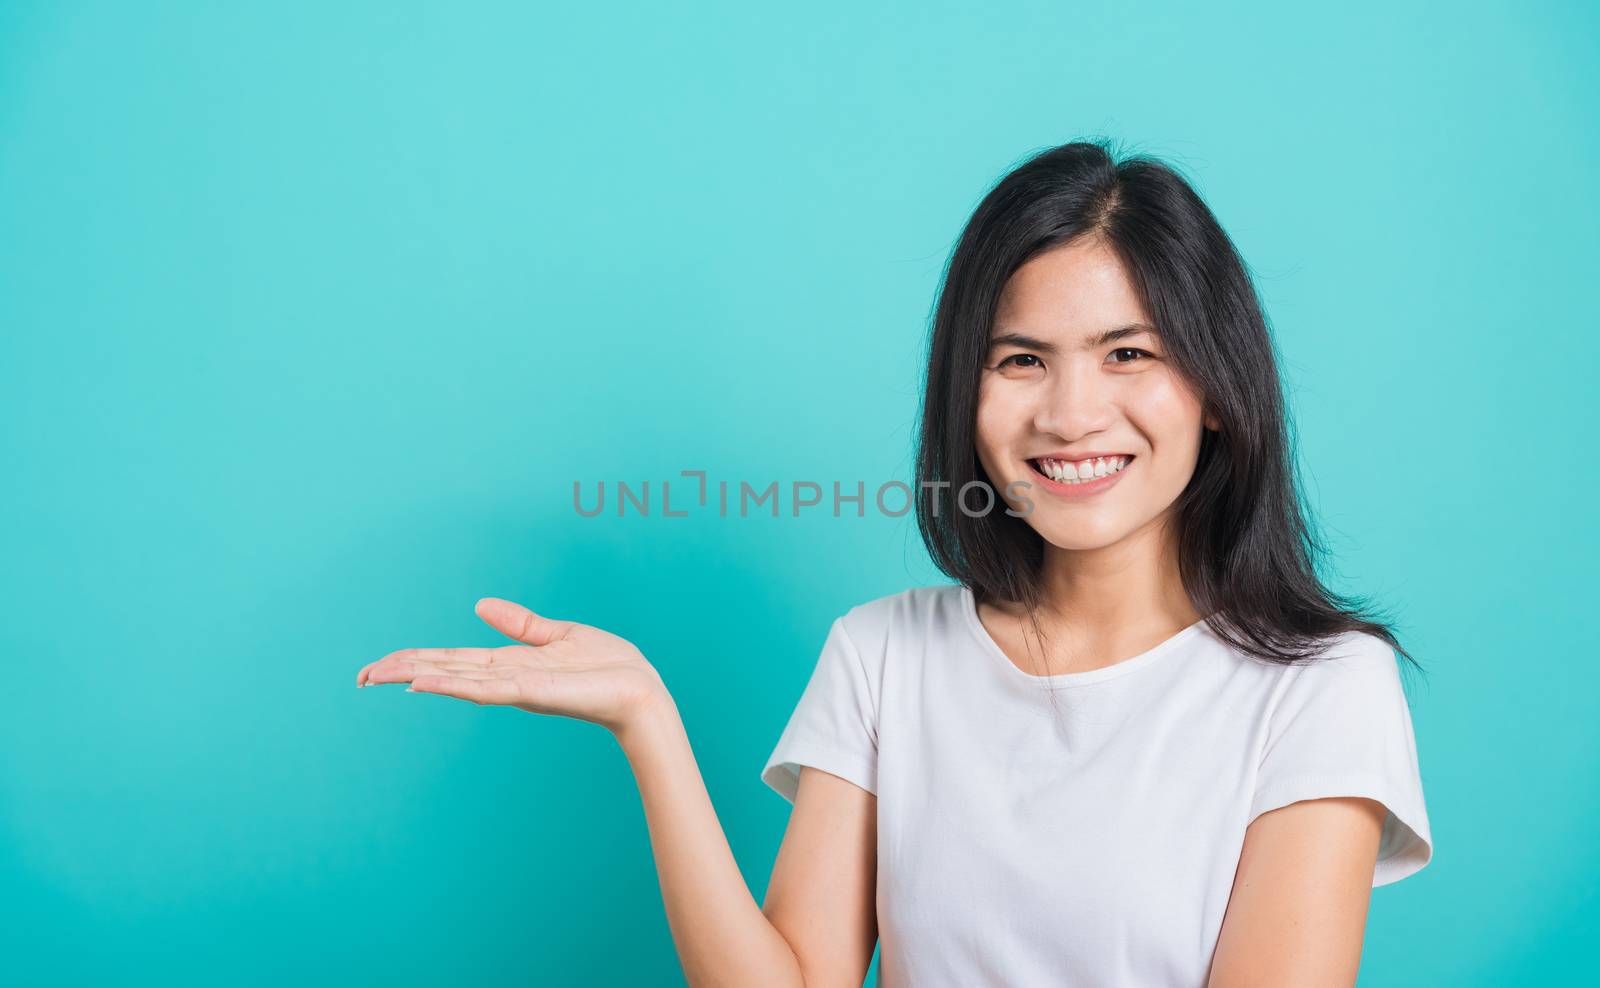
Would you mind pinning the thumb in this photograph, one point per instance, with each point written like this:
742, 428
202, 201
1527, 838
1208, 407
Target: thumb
515, 621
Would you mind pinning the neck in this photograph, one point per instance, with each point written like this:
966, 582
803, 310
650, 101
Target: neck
1132, 585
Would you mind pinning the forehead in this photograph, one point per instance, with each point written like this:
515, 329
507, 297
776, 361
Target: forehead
1070, 292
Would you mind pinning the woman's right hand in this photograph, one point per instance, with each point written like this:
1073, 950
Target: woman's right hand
571, 669
561, 667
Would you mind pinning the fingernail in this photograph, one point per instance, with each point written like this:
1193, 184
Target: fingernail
410, 690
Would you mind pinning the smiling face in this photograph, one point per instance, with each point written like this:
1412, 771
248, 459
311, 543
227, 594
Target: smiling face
1075, 369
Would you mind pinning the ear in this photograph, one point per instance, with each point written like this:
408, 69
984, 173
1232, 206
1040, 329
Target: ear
1212, 423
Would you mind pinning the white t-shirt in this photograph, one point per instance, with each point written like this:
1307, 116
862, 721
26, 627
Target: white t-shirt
1020, 847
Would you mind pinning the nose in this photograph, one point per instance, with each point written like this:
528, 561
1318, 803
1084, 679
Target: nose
1076, 401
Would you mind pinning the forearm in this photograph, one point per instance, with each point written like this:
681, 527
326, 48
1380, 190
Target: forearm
722, 936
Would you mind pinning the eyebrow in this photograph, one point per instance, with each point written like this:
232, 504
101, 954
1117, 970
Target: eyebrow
1109, 336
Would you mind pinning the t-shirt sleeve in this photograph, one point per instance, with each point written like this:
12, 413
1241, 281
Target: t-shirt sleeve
1342, 727
834, 726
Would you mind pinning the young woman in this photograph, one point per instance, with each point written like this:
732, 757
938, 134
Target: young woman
1137, 742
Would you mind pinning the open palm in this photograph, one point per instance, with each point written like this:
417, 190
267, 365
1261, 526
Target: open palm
561, 667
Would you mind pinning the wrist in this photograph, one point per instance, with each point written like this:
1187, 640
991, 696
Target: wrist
650, 720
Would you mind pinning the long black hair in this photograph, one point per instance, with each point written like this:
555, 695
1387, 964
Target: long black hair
1247, 549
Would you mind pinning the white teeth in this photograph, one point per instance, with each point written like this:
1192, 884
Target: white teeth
1074, 473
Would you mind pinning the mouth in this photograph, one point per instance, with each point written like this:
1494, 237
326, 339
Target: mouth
1079, 478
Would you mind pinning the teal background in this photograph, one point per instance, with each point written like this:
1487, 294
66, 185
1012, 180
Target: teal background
313, 313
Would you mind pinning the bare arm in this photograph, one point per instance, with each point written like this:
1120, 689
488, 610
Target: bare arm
823, 892
722, 936
1298, 910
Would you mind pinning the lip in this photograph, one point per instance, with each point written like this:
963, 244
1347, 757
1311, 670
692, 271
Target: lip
1087, 488
1075, 457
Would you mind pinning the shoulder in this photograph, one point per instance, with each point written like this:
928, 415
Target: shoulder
1341, 656
912, 603
1340, 725
1351, 655
903, 619
1352, 671
1356, 676
1358, 649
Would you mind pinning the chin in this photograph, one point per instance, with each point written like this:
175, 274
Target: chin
1079, 537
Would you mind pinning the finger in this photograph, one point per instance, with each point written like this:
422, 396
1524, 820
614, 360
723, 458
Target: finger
516, 621
384, 675
476, 657
403, 671
364, 677
479, 691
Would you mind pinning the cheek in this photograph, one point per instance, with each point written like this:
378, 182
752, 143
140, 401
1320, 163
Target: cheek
1001, 418
997, 417
1170, 414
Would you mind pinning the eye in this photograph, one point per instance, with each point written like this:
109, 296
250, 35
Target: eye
1129, 349
1016, 360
